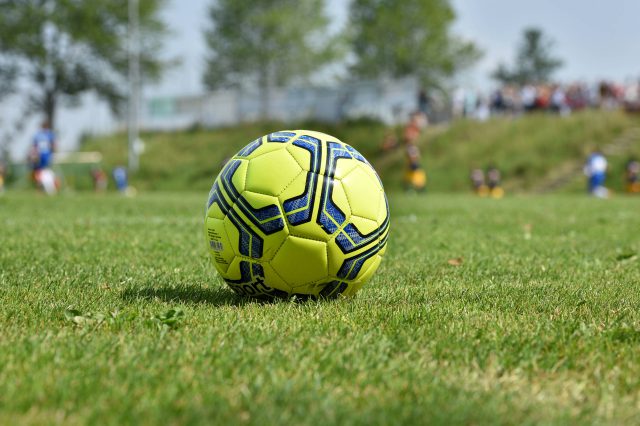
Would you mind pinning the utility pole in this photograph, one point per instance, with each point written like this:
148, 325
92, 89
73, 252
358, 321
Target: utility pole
134, 84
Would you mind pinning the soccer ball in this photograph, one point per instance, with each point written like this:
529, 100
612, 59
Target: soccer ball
297, 213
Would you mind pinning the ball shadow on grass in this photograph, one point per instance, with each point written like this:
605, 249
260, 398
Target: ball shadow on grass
219, 296
184, 294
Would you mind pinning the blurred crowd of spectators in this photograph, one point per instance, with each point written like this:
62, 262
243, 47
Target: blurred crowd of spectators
558, 98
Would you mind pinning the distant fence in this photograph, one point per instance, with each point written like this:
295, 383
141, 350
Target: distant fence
389, 101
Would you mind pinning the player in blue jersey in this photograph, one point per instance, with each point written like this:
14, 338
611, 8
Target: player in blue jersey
44, 145
41, 157
596, 171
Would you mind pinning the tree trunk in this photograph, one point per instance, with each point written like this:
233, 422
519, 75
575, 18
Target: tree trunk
50, 108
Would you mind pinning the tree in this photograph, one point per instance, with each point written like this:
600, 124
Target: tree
265, 43
534, 62
8, 70
8, 74
64, 48
398, 38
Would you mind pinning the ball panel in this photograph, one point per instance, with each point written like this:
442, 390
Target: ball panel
215, 212
335, 258
328, 288
263, 147
263, 215
383, 243
344, 166
301, 261
272, 172
363, 191
363, 225
311, 289
318, 135
250, 148
273, 280
305, 225
297, 199
348, 266
369, 269
233, 236
339, 198
233, 272
333, 289
383, 212
220, 248
307, 153
355, 263
240, 176
248, 278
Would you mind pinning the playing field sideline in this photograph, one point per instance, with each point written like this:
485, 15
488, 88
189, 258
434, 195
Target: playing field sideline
518, 310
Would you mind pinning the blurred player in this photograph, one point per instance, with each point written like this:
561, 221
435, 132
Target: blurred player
632, 176
478, 182
494, 182
121, 178
596, 171
390, 142
415, 178
41, 158
99, 178
3, 172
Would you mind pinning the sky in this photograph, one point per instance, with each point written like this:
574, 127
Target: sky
596, 38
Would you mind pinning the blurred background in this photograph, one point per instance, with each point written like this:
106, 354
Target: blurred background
486, 97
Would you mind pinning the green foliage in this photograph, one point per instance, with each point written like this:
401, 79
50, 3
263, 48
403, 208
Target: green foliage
65, 48
535, 62
397, 38
539, 324
266, 42
8, 74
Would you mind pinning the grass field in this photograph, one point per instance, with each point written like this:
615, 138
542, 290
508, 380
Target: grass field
110, 313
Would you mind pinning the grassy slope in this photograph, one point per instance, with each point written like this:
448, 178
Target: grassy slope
191, 160
538, 329
525, 149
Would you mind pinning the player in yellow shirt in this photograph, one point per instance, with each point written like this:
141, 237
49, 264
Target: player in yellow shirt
415, 177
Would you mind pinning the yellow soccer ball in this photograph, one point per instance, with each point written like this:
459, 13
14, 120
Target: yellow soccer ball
297, 213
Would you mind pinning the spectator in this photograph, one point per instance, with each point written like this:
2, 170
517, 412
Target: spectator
528, 95
559, 101
458, 103
632, 176
494, 182
478, 182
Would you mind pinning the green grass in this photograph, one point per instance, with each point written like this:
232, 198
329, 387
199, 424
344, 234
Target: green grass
539, 324
526, 149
